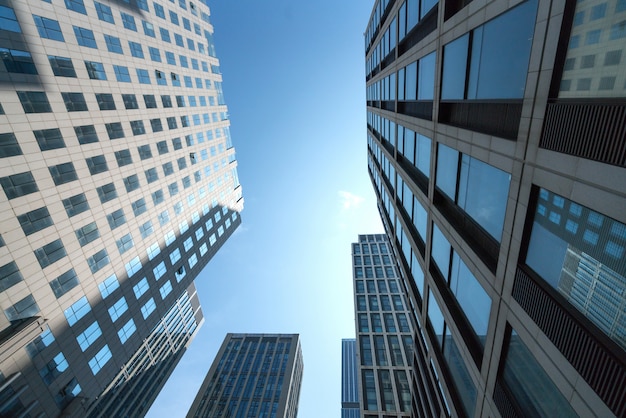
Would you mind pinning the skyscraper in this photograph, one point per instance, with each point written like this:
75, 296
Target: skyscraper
253, 375
119, 184
383, 330
496, 149
349, 382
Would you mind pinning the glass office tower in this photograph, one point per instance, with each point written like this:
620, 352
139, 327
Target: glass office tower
253, 375
383, 330
349, 380
496, 148
119, 184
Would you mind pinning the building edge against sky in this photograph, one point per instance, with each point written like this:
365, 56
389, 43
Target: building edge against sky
496, 149
252, 375
119, 185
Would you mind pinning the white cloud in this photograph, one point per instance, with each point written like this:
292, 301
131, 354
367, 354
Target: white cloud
349, 201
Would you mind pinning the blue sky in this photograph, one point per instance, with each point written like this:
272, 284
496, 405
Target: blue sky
295, 88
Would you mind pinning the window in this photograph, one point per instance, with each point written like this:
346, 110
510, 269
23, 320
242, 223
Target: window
16, 61
164, 217
148, 308
123, 157
77, 310
139, 206
97, 164
151, 175
155, 54
113, 44
50, 253
128, 21
8, 20
137, 127
18, 185
130, 101
53, 369
171, 122
62, 66
89, 336
75, 204
469, 193
87, 234
174, 18
492, 53
170, 58
146, 229
135, 49
177, 143
34, 101
148, 28
144, 152
173, 189
158, 197
125, 243
42, 341
121, 73
114, 130
86, 134
179, 40
133, 266
9, 276
49, 139
143, 76
118, 309
108, 286
160, 78
165, 35
116, 218
159, 270
104, 12
76, 5
530, 385
131, 183
175, 256
126, 331
95, 70
150, 101
140, 288
47, 28
591, 248
98, 260
85, 37
470, 295
107, 192
105, 101
180, 273
165, 289
98, 361
193, 260
157, 125
63, 173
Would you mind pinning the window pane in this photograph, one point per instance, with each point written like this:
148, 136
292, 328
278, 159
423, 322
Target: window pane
581, 254
533, 389
483, 194
500, 54
454, 65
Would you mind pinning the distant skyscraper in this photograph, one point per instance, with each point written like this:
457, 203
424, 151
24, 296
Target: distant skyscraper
383, 329
496, 146
119, 184
253, 375
349, 383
